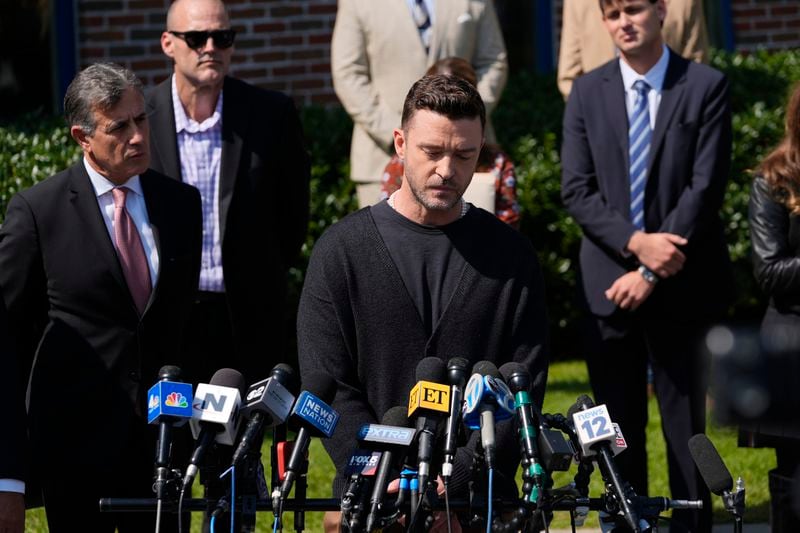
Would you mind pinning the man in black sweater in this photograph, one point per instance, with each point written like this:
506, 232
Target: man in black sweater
423, 274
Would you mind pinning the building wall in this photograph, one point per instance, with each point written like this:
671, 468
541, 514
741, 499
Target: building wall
280, 44
285, 44
773, 24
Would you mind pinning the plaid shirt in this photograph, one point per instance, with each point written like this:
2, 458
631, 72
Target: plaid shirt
200, 151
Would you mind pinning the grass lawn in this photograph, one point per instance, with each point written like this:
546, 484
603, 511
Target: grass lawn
566, 382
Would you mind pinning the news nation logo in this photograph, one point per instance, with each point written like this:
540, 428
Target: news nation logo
176, 399
316, 412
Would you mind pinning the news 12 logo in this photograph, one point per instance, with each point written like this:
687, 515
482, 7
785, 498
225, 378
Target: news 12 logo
170, 399
316, 412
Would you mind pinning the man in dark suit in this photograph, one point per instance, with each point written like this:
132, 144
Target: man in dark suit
242, 147
645, 160
98, 269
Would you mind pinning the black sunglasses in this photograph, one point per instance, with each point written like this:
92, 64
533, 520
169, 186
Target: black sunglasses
198, 39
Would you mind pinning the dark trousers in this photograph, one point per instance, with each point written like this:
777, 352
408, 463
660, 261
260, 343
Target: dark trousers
617, 353
71, 493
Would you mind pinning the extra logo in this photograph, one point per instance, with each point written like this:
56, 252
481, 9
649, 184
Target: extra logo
154, 402
386, 434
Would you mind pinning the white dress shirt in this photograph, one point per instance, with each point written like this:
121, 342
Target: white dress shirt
654, 78
137, 210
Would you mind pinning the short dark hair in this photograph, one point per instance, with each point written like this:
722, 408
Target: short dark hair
604, 3
101, 86
450, 96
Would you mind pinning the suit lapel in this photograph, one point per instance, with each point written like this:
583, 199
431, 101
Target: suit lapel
613, 98
164, 148
234, 125
83, 198
156, 211
671, 95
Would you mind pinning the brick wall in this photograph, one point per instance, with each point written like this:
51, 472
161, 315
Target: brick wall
280, 44
285, 44
772, 24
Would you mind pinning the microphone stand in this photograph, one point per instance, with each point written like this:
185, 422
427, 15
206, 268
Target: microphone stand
734, 502
300, 490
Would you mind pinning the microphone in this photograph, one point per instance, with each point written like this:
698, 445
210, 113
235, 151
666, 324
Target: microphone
709, 463
215, 415
268, 403
518, 380
717, 476
487, 400
457, 377
391, 435
428, 401
169, 405
596, 434
313, 413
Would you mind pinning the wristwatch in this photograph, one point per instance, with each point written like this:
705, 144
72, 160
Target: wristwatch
648, 275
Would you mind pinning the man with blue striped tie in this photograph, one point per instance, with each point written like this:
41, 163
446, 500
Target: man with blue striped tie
645, 160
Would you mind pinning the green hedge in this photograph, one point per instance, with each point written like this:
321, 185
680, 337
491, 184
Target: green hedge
528, 124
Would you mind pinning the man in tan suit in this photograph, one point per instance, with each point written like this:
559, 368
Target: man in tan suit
585, 43
379, 50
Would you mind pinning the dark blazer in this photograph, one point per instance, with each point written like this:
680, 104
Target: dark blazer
775, 234
688, 168
264, 206
82, 349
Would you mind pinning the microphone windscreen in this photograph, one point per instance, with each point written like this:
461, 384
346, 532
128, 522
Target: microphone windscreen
396, 416
709, 463
486, 368
320, 384
228, 377
516, 376
169, 373
581, 404
286, 376
431, 369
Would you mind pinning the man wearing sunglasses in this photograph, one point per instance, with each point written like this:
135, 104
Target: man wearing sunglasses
242, 147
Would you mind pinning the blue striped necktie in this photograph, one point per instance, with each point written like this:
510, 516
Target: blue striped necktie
639, 135
423, 21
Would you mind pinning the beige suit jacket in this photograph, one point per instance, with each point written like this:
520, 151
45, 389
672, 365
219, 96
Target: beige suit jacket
586, 44
377, 54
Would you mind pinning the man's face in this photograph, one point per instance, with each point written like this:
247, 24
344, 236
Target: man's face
634, 25
440, 156
206, 65
119, 147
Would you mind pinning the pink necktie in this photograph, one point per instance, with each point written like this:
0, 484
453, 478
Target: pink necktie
131, 251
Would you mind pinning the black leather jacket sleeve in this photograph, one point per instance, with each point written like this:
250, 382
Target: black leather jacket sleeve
775, 258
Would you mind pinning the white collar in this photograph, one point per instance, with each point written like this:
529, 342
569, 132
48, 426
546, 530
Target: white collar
102, 185
654, 77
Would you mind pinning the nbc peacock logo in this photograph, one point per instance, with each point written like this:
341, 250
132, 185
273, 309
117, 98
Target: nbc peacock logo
176, 399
